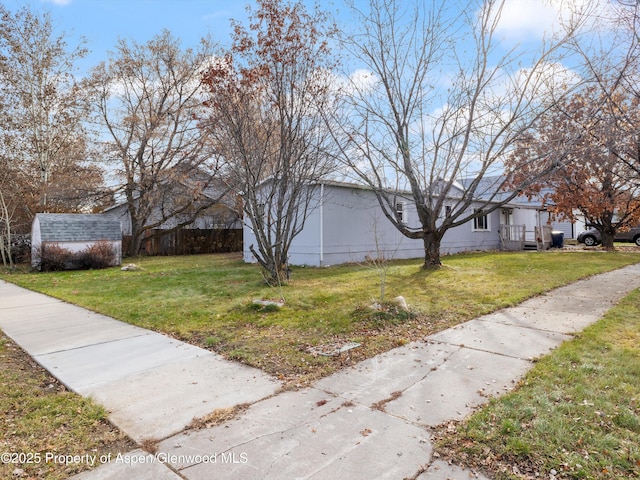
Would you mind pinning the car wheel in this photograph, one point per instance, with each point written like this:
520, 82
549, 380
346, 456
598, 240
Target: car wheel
590, 241
637, 240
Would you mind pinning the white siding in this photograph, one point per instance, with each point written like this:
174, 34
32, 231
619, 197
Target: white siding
355, 227
465, 239
348, 225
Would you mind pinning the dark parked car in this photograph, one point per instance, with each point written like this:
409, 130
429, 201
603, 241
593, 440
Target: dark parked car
592, 236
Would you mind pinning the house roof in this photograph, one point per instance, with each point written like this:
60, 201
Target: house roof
487, 190
490, 189
214, 189
77, 227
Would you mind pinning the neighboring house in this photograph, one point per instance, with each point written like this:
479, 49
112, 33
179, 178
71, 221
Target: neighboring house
217, 228
224, 214
218, 216
74, 232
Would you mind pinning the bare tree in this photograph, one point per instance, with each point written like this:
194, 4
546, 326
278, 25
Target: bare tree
43, 163
5, 232
148, 100
266, 98
44, 108
443, 102
612, 59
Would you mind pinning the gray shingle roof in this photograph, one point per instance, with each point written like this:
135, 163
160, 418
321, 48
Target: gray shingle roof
76, 227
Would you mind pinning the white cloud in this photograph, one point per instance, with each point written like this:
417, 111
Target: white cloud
523, 19
551, 79
363, 81
60, 3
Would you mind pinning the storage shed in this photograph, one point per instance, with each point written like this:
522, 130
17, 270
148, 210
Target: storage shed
75, 233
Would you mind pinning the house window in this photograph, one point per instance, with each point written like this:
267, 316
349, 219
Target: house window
481, 222
400, 215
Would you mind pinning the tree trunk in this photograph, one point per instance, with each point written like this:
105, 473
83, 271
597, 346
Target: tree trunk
607, 239
135, 245
137, 236
431, 251
5, 236
277, 272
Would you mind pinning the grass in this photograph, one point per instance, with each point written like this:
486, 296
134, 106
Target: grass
39, 418
207, 300
578, 416
575, 415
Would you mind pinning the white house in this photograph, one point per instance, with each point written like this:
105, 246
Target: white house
346, 224
74, 232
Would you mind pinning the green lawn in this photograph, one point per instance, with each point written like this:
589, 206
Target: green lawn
207, 300
575, 415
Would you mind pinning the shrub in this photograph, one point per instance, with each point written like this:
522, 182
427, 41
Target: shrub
21, 248
96, 256
99, 255
54, 258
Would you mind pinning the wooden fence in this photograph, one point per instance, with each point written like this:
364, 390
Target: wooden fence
189, 241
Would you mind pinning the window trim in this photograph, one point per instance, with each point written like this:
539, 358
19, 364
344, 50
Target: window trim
481, 222
448, 210
401, 213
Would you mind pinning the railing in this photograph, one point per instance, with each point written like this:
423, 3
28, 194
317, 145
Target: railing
544, 239
517, 237
512, 237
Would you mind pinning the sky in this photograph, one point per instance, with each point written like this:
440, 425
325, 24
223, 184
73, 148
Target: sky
102, 22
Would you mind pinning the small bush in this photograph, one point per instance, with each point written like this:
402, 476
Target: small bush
381, 315
97, 256
21, 248
54, 258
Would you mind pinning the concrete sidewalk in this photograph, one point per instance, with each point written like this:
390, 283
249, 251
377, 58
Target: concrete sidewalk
152, 385
369, 421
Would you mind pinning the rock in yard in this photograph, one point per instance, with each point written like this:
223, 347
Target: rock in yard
269, 303
130, 267
402, 303
333, 349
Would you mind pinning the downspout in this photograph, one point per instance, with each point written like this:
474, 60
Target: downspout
321, 224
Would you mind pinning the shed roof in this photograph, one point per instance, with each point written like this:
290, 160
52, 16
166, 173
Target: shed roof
77, 227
